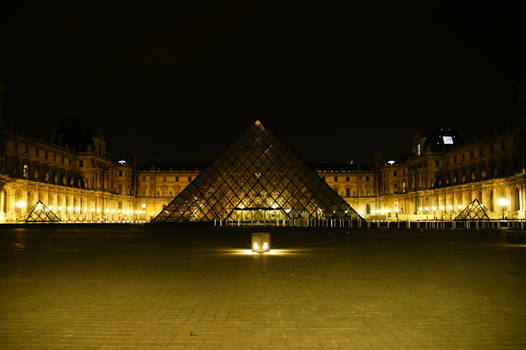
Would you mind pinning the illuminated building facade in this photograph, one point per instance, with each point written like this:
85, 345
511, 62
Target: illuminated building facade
438, 180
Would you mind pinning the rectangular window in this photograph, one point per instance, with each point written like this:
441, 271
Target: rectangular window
348, 192
62, 160
164, 178
394, 173
189, 178
503, 145
491, 148
336, 179
37, 152
81, 163
120, 188
15, 146
46, 154
54, 157
367, 178
448, 140
27, 148
144, 178
471, 154
347, 179
120, 172
437, 163
481, 152
418, 149
177, 178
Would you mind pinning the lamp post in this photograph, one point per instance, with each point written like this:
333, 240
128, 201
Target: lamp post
503, 202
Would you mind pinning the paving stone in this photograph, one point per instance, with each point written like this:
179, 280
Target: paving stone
173, 287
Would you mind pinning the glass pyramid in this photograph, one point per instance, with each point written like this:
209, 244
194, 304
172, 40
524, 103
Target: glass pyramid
474, 211
40, 213
257, 179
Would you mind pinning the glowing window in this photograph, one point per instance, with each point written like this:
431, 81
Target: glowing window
448, 140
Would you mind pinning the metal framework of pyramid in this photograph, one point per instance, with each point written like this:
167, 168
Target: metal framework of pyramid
257, 179
40, 213
474, 211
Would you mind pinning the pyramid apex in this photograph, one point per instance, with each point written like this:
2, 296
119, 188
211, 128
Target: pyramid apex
257, 122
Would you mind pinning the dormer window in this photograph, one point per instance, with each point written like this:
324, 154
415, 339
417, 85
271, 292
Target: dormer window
448, 140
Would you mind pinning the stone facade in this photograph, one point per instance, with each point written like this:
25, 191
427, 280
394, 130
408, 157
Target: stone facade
432, 183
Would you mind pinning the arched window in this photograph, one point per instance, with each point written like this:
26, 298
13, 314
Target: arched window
4, 201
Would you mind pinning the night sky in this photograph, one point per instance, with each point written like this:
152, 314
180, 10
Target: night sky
337, 83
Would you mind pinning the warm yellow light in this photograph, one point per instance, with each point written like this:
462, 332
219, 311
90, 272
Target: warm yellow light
442, 208
92, 210
38, 207
434, 208
256, 246
77, 208
59, 208
459, 206
69, 208
143, 205
503, 202
265, 245
450, 207
427, 208
98, 210
420, 209
50, 207
20, 204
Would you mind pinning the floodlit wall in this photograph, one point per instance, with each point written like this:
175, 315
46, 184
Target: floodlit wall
89, 187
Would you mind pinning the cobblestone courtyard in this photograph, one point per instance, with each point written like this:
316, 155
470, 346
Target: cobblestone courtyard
143, 287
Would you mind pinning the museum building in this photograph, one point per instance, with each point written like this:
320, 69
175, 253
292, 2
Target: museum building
438, 180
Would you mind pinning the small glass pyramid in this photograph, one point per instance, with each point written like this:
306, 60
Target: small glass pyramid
40, 213
474, 211
257, 179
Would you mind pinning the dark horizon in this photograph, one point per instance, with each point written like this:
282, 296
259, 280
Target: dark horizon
179, 83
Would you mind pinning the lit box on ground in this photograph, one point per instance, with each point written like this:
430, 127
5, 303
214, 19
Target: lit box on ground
260, 242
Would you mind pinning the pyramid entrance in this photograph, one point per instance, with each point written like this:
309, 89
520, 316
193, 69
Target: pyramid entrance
258, 180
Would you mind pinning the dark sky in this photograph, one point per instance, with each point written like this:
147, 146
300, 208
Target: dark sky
179, 82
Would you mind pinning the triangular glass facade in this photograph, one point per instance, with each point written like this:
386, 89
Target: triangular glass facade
40, 213
474, 211
257, 179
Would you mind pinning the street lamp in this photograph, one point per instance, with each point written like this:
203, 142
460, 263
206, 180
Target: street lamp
503, 202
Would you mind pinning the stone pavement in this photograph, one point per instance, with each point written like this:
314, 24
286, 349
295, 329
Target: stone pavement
135, 287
